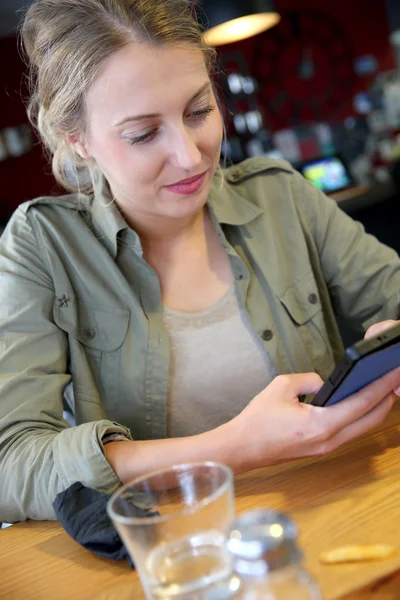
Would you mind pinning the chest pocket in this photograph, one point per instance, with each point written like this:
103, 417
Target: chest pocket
97, 327
302, 304
95, 362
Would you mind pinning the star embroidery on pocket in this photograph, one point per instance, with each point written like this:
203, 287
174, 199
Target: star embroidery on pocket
64, 301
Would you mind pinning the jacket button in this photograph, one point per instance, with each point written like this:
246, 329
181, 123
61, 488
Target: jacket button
313, 298
267, 335
89, 334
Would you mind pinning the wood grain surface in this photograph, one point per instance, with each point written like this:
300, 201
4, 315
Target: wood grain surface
352, 496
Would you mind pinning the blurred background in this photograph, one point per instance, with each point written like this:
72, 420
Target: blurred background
318, 86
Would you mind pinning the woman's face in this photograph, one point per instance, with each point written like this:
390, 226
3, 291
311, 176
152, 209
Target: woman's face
153, 121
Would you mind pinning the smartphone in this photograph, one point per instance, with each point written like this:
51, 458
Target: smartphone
361, 364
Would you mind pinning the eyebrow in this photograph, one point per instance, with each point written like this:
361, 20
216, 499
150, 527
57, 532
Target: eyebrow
155, 115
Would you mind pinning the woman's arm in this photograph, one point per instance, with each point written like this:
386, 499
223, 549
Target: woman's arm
362, 274
275, 427
39, 454
133, 459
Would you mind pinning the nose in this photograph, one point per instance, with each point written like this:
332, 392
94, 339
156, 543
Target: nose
184, 151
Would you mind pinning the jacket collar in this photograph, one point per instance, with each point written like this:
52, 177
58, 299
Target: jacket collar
107, 220
226, 203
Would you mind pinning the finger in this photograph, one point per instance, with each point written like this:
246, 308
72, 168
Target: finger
364, 424
355, 406
297, 384
378, 328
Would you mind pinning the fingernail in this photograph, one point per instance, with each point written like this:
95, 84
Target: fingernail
397, 391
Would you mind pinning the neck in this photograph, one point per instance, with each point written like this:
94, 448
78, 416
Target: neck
160, 231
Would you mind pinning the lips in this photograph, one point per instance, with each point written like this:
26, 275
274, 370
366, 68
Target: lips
188, 186
186, 181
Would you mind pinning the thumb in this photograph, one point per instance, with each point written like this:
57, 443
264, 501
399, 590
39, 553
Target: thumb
378, 328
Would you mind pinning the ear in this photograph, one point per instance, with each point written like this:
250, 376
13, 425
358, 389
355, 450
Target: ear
77, 144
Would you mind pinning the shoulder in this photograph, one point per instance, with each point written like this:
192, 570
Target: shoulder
251, 168
49, 210
269, 182
51, 213
276, 189
75, 202
263, 181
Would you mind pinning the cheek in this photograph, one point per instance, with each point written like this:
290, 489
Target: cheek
213, 134
121, 162
109, 152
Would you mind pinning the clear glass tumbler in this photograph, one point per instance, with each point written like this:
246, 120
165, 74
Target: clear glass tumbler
174, 524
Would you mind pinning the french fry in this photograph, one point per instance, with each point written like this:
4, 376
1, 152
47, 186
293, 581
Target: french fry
357, 553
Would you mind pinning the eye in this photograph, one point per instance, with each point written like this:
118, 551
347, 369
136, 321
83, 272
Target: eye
146, 137
200, 114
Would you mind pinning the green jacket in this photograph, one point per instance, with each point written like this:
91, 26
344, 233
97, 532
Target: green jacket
81, 317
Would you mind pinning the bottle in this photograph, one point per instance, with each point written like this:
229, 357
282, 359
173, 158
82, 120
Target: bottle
267, 562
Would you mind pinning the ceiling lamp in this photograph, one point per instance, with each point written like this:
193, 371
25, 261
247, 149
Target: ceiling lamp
229, 21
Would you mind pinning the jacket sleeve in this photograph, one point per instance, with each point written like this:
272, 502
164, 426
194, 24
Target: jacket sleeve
40, 455
362, 274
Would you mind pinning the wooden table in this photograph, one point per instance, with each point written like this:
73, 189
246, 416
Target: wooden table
352, 496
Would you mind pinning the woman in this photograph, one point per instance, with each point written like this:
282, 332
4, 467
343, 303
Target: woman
165, 299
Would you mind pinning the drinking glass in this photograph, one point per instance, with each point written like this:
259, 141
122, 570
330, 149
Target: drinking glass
174, 524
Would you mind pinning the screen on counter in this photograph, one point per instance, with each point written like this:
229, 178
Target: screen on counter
328, 174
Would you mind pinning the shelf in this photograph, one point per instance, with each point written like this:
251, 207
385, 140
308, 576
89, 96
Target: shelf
361, 196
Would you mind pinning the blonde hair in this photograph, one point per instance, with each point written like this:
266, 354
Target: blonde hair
67, 41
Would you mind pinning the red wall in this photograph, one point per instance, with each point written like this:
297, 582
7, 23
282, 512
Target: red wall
29, 175
363, 23
363, 29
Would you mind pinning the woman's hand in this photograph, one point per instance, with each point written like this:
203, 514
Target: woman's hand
379, 327
276, 427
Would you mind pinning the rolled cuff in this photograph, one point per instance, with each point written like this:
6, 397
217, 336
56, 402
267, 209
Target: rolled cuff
79, 455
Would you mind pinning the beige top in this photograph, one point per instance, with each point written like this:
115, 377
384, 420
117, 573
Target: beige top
201, 397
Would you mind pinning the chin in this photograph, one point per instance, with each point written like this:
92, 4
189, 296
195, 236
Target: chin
184, 206
185, 210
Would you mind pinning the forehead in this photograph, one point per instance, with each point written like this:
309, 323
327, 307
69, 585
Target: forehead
146, 79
